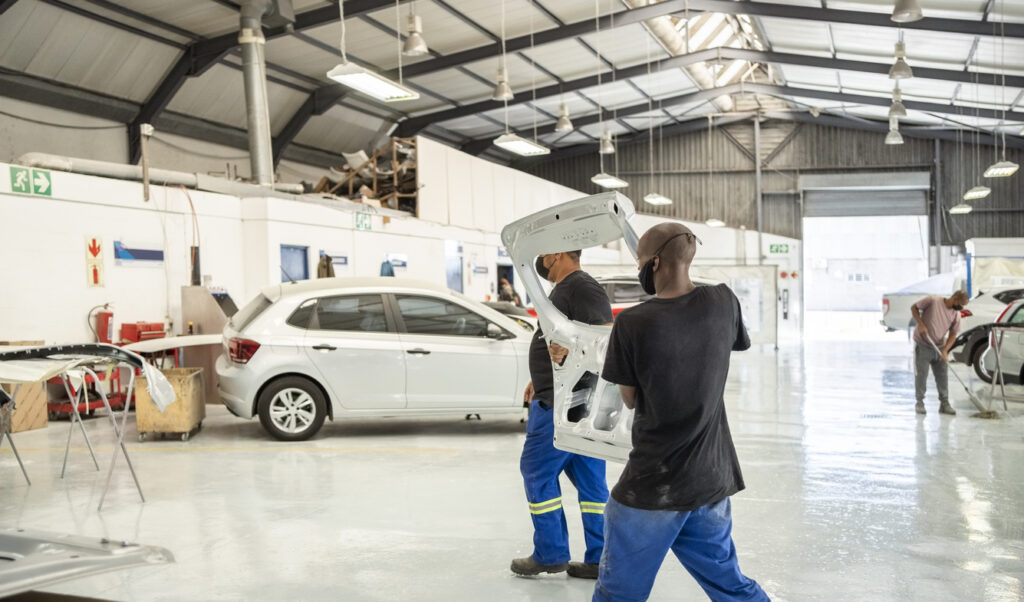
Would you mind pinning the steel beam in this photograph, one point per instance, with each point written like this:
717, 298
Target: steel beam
477, 146
202, 54
410, 126
316, 104
67, 98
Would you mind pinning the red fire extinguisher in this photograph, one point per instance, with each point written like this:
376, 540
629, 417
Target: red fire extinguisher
104, 324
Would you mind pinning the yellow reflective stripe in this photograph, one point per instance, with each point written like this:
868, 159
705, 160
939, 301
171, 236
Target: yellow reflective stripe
597, 504
595, 511
546, 510
545, 507
592, 507
552, 501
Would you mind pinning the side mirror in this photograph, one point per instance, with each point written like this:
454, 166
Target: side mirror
497, 332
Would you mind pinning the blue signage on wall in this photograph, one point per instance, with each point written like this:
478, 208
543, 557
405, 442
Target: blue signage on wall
124, 253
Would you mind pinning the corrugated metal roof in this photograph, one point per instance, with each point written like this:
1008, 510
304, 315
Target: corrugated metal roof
340, 130
125, 50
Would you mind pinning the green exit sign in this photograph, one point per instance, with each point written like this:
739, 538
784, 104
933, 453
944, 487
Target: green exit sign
364, 221
779, 249
30, 181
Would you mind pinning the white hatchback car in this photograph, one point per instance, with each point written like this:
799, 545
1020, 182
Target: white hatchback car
302, 352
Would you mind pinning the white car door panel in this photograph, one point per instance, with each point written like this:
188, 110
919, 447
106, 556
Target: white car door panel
359, 357
450, 362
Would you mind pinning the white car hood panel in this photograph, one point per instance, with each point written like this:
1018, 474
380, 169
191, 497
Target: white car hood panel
605, 430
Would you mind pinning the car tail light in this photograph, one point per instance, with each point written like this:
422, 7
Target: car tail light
532, 312
885, 307
242, 350
965, 313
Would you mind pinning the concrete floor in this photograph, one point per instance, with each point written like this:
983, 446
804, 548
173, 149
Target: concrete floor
850, 496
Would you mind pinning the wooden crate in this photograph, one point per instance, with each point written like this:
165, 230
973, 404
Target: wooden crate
30, 403
30, 407
182, 417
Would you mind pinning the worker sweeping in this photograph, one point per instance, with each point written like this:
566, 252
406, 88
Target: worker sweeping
938, 322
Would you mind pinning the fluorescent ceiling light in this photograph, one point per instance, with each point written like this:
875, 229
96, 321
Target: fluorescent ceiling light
415, 45
608, 181
563, 124
1002, 169
520, 146
900, 69
978, 192
714, 223
894, 137
961, 209
370, 83
906, 11
657, 199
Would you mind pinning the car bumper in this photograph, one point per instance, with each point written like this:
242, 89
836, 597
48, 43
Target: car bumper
234, 387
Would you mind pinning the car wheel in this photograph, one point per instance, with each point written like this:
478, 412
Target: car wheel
292, 408
977, 356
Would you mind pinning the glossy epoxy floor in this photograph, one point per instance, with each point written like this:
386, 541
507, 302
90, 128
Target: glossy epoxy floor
850, 496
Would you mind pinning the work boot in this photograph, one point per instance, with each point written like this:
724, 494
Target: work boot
583, 570
919, 408
945, 408
529, 566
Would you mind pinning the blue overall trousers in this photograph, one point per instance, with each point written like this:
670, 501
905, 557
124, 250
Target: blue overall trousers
541, 465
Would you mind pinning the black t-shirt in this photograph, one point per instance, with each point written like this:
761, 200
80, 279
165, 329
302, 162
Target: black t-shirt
581, 299
676, 353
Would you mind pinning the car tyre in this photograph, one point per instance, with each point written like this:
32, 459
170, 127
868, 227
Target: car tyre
977, 356
292, 408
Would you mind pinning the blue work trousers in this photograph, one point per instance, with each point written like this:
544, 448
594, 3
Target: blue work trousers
541, 465
638, 540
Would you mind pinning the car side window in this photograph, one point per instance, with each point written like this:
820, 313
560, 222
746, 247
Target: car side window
629, 293
359, 313
1018, 316
301, 316
1010, 296
427, 315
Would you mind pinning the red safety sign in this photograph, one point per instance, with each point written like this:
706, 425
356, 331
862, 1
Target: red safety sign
94, 261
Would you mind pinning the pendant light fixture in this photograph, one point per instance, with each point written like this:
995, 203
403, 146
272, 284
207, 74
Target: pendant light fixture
1003, 168
563, 124
502, 91
603, 179
712, 222
894, 136
960, 209
366, 81
415, 45
978, 192
897, 109
906, 11
652, 197
900, 69
509, 141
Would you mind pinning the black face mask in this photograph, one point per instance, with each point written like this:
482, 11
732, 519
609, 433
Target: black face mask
542, 271
958, 307
647, 271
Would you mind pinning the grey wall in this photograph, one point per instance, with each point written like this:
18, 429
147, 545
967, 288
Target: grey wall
717, 179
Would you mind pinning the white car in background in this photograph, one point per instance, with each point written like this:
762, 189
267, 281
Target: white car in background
336, 347
1011, 354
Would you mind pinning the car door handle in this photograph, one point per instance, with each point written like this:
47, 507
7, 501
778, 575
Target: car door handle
324, 347
418, 351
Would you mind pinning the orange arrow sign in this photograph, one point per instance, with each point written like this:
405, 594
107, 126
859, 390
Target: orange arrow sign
94, 248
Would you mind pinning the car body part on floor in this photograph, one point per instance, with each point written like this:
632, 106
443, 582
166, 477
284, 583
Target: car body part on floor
73, 364
589, 416
34, 559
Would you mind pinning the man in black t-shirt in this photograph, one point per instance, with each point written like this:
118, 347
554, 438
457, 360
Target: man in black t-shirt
670, 358
582, 299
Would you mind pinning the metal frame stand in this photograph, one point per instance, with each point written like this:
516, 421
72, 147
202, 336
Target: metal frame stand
119, 431
76, 417
6, 413
998, 376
